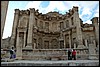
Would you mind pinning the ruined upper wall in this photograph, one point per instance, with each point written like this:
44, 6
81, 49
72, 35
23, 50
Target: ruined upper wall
50, 15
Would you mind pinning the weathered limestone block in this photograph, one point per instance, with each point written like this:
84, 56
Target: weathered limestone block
92, 52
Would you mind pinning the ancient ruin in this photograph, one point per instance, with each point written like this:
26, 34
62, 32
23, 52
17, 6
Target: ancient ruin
48, 36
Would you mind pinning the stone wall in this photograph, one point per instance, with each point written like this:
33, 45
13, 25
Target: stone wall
6, 43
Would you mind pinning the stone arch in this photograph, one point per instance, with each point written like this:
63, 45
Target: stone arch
54, 44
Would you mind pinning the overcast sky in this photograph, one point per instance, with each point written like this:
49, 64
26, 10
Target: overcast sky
87, 10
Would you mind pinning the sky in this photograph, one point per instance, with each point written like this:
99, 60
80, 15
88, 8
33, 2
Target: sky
87, 10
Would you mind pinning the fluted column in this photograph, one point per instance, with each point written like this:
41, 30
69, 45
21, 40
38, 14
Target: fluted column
15, 23
30, 29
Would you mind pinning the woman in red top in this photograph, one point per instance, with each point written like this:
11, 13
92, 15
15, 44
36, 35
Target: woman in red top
74, 54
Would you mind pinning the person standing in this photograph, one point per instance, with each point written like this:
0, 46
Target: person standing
12, 53
74, 54
69, 54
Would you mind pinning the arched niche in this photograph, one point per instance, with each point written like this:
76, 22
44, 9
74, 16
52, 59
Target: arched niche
40, 43
54, 26
23, 22
54, 44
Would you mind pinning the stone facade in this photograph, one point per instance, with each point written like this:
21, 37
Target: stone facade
36, 31
4, 8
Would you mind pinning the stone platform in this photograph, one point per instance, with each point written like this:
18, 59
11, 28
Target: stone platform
51, 63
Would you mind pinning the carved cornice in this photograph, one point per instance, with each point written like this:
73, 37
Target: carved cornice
24, 12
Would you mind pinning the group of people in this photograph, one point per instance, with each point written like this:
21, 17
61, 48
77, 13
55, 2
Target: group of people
71, 54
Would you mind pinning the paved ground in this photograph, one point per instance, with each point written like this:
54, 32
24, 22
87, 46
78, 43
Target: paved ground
46, 61
51, 63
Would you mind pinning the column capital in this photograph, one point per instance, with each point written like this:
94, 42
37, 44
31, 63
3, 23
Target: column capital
75, 8
32, 10
17, 11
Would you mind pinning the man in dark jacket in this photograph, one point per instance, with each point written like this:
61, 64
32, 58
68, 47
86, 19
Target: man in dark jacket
11, 53
69, 54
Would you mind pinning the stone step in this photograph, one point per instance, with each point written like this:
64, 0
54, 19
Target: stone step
52, 63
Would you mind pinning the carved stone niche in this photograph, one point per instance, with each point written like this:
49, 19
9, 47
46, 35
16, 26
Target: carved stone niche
21, 34
57, 17
53, 18
44, 17
63, 17
35, 30
49, 18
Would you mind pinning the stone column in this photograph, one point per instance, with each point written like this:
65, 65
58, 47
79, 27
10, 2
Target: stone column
86, 43
18, 47
15, 23
30, 29
24, 38
76, 19
96, 25
74, 45
94, 43
64, 41
69, 39
37, 43
34, 45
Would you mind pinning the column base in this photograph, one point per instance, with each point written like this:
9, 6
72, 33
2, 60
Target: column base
19, 58
28, 47
92, 58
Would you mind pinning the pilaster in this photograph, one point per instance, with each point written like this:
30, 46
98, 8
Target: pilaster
78, 28
30, 29
18, 47
15, 23
96, 25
